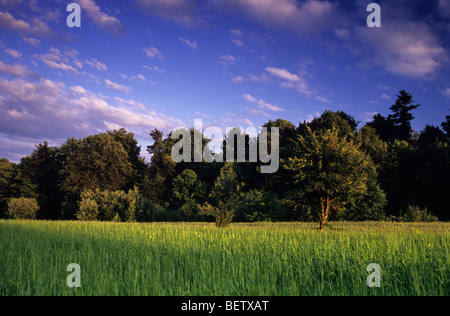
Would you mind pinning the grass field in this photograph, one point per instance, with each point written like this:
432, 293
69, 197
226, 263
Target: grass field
283, 259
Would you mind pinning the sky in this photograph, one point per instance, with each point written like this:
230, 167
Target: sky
146, 64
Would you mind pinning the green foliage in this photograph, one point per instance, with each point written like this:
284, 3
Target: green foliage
397, 126
431, 135
402, 117
108, 206
446, 127
147, 211
6, 175
96, 162
415, 214
188, 191
330, 172
162, 169
88, 210
366, 174
42, 170
130, 145
225, 195
22, 208
372, 145
258, 206
344, 124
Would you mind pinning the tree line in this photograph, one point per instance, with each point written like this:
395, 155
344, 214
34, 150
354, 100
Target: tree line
329, 170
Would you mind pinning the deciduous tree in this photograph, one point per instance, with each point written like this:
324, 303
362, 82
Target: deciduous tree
330, 171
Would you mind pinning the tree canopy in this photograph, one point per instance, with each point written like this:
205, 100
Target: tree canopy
332, 168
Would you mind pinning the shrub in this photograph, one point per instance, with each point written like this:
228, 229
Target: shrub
88, 210
23, 208
258, 206
113, 206
147, 211
415, 214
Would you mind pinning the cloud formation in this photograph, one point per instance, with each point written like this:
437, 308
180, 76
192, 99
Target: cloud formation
115, 86
304, 18
36, 27
32, 112
180, 11
153, 52
411, 50
262, 104
101, 19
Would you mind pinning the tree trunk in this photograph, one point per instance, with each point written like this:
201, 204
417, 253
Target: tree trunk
325, 205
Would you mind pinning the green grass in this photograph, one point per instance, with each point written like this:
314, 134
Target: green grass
283, 259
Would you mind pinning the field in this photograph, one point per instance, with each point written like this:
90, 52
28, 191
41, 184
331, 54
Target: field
282, 259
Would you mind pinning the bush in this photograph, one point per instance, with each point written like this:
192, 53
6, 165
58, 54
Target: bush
415, 214
116, 206
88, 210
23, 208
258, 206
147, 211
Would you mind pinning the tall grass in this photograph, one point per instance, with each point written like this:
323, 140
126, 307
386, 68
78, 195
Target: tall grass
285, 259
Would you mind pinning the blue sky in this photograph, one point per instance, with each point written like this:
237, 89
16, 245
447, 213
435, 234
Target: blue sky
145, 64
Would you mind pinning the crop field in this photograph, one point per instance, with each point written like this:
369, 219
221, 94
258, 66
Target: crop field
197, 259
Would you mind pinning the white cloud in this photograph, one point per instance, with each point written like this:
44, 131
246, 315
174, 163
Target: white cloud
257, 112
96, 64
26, 108
446, 92
368, 116
226, 60
115, 86
14, 53
37, 26
31, 41
78, 89
101, 19
192, 45
139, 78
385, 97
237, 42
17, 71
322, 99
405, 48
236, 33
307, 17
262, 104
181, 11
10, 3
261, 78
292, 81
283, 73
154, 69
60, 60
153, 52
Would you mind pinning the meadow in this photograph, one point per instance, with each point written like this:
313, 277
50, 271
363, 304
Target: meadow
197, 259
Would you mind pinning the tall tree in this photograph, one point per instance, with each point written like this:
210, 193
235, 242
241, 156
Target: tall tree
372, 145
188, 191
402, 115
95, 162
130, 144
384, 127
431, 134
162, 169
43, 168
345, 124
6, 175
330, 171
446, 127
225, 196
